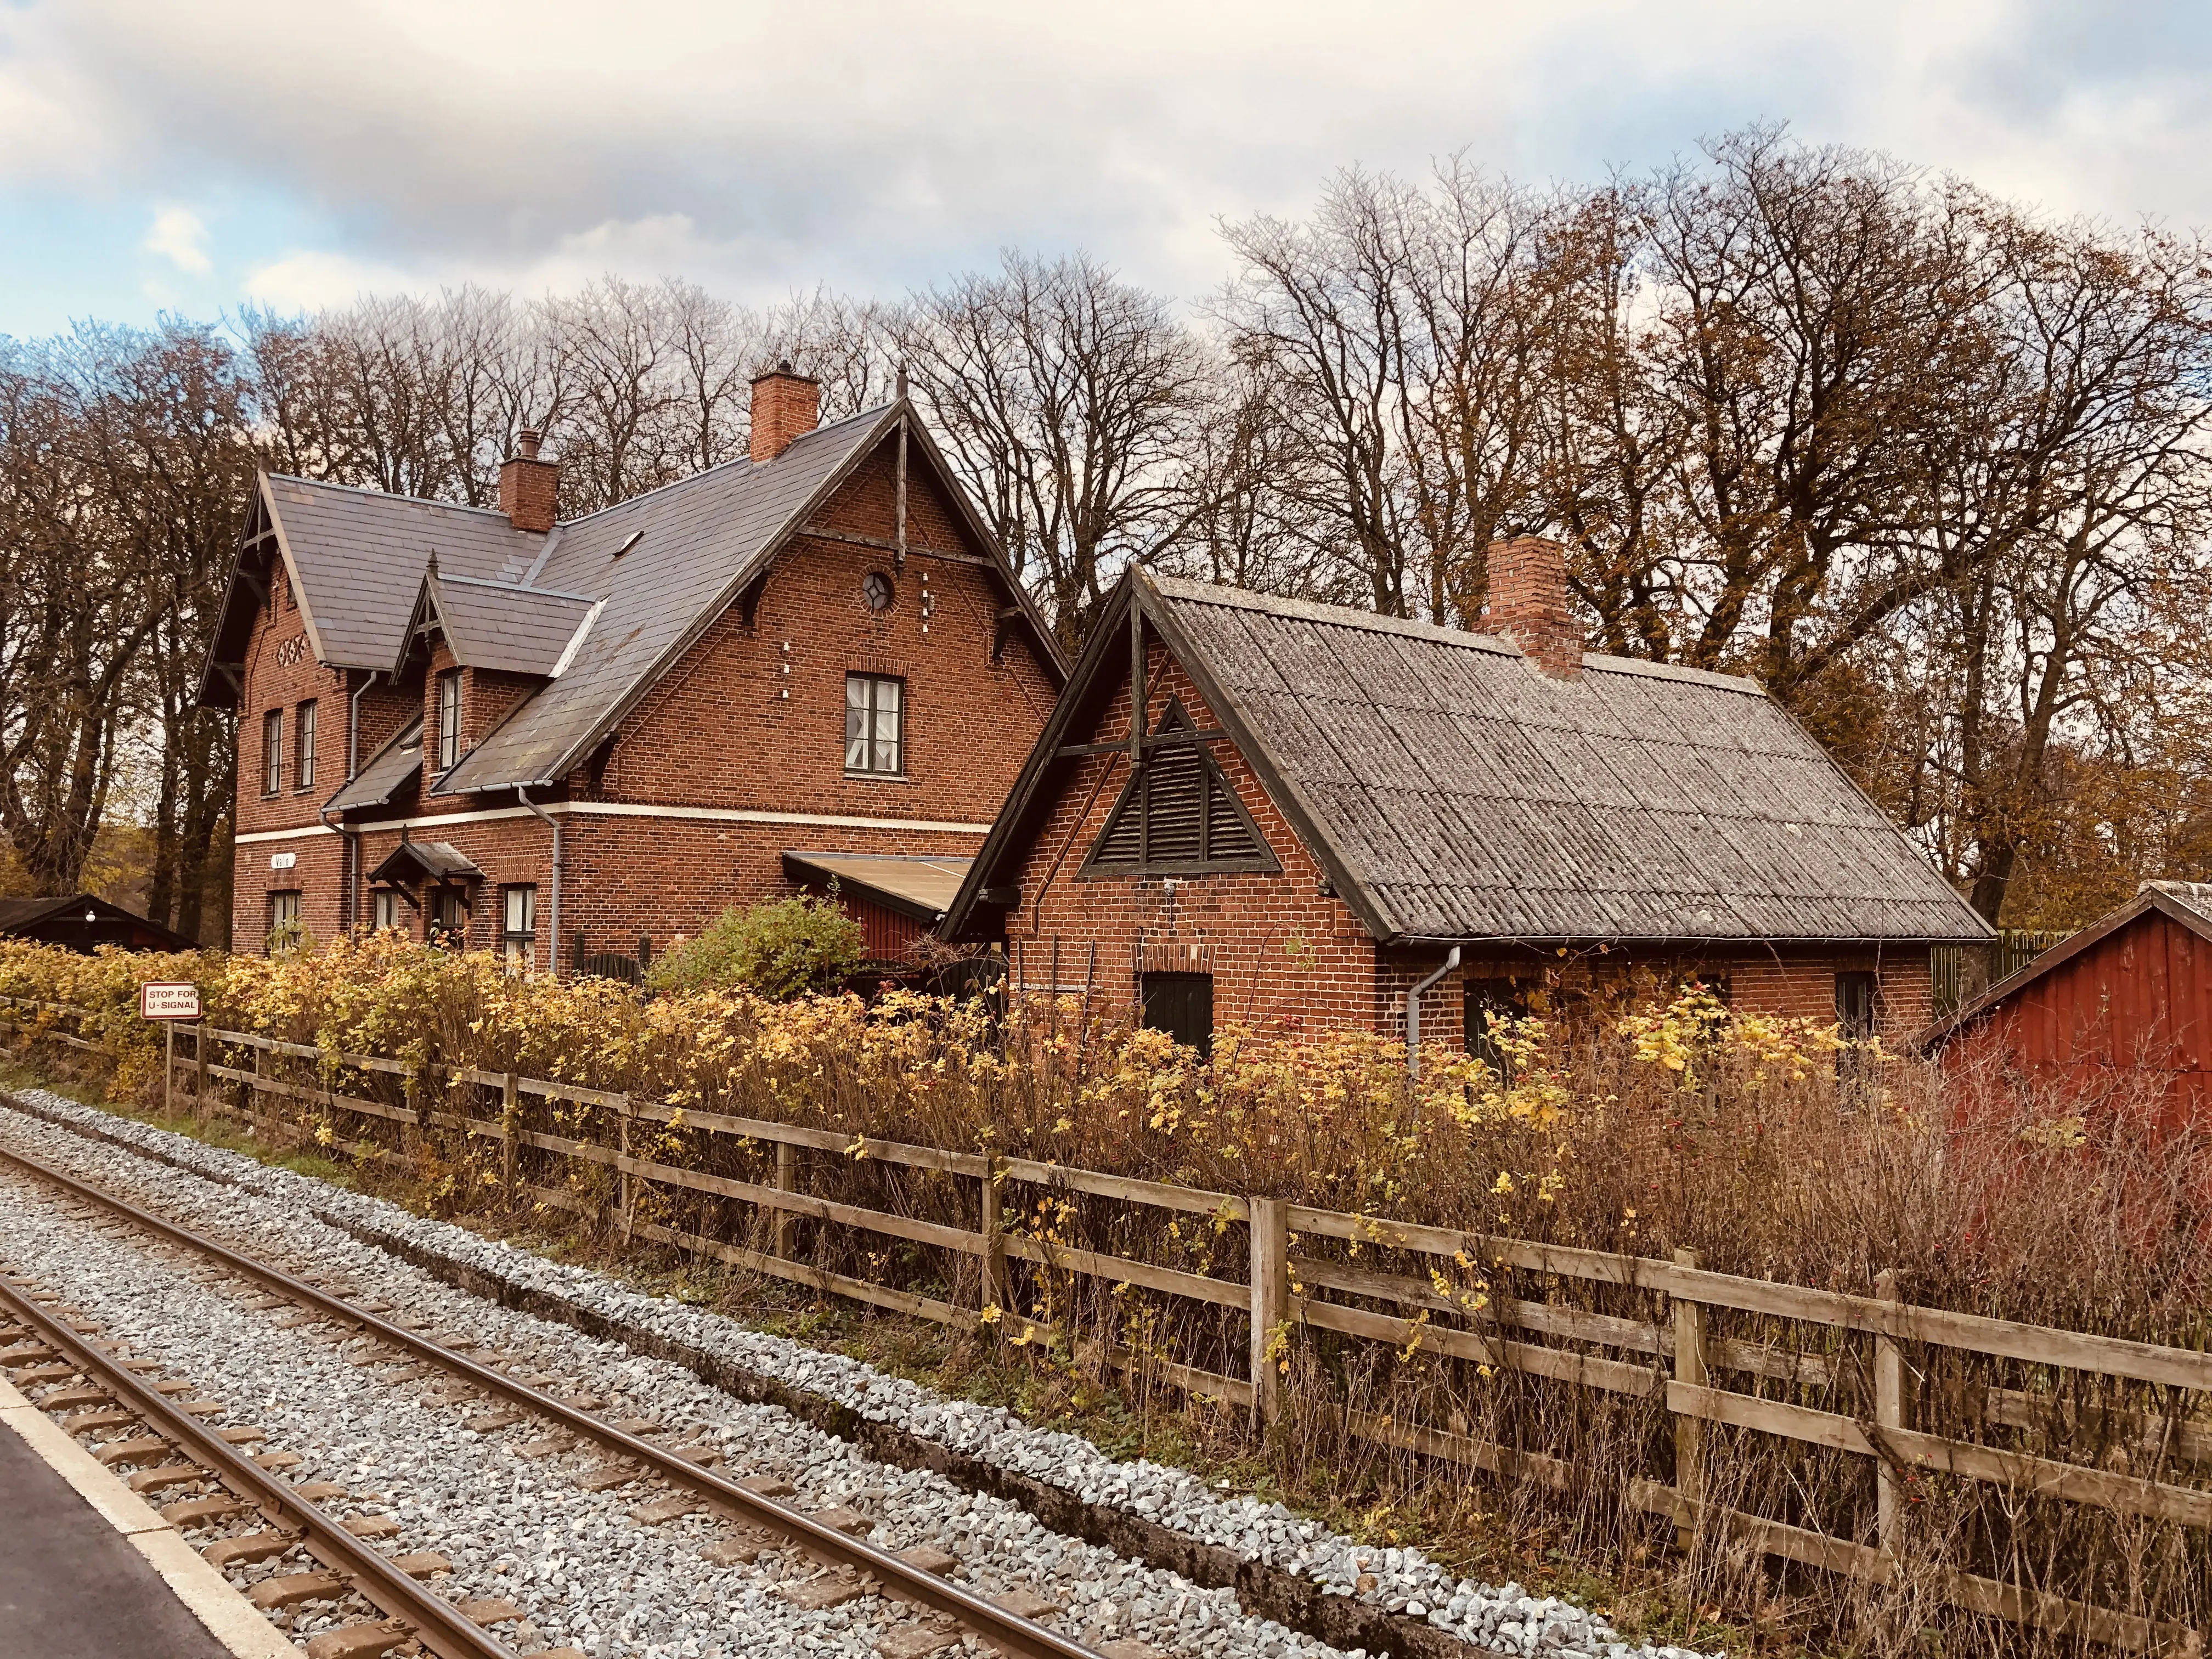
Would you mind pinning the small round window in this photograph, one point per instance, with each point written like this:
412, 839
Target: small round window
876, 589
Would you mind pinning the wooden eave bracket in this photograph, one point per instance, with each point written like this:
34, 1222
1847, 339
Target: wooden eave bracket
749, 598
1009, 618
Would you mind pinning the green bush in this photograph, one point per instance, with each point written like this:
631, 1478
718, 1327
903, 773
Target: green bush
781, 951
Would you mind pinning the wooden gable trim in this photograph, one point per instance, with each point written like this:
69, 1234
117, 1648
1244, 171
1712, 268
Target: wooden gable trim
1289, 799
2143, 903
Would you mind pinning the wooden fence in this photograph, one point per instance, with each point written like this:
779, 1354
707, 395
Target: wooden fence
2055, 1418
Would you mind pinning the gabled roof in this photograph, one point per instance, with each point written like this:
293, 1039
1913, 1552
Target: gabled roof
1454, 792
389, 771
500, 626
2187, 902
356, 558
655, 572
22, 915
427, 860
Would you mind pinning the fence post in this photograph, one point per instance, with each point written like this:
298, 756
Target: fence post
997, 1290
199, 1067
1888, 1413
786, 1181
249, 1092
510, 1110
622, 1130
1271, 1300
1689, 1431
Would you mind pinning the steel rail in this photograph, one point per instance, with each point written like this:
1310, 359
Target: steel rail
1008, 1632
429, 1619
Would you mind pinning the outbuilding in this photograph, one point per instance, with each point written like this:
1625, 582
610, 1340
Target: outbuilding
82, 922
1266, 812
2124, 1006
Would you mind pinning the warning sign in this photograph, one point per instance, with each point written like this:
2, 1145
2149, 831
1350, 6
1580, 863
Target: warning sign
169, 999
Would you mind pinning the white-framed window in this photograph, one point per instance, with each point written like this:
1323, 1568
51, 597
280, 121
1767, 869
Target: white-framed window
449, 717
875, 723
383, 908
517, 928
285, 932
272, 751
303, 743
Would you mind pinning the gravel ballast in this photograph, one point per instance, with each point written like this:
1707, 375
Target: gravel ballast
1403, 1583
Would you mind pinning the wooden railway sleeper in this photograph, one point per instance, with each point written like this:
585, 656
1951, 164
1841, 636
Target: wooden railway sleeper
1005, 1629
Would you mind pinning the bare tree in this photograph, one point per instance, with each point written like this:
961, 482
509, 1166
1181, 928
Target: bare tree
1065, 397
1407, 325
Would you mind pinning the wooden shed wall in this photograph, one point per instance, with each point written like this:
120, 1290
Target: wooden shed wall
2138, 1000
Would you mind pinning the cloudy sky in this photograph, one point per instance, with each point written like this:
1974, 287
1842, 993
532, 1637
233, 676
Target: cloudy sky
198, 156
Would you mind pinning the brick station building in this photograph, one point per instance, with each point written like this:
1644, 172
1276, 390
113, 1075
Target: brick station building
570, 740
1320, 804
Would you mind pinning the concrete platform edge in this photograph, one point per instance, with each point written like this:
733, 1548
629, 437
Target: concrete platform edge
206, 1594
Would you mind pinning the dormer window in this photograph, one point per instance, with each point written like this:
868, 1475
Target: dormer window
449, 719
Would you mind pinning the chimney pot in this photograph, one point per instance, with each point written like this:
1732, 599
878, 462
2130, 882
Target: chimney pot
529, 489
1529, 605
785, 404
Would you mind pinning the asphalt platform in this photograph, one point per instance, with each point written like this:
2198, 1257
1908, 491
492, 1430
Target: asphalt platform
71, 1586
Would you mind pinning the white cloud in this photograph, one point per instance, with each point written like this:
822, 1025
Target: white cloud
179, 236
758, 144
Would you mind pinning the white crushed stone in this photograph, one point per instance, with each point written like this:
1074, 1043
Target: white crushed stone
1503, 1618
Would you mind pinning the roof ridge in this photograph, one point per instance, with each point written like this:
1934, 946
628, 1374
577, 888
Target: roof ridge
1341, 616
1376, 622
720, 466
447, 579
372, 491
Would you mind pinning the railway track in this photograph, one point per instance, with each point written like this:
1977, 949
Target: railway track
412, 1611
78, 1375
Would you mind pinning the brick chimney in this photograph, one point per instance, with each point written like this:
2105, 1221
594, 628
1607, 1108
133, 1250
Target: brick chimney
785, 404
527, 486
1529, 604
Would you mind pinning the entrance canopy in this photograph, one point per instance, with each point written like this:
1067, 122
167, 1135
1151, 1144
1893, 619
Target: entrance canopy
426, 861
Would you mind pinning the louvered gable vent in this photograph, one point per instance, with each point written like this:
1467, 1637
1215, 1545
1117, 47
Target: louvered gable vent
1178, 816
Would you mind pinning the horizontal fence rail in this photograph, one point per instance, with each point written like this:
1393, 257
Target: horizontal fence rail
1711, 1357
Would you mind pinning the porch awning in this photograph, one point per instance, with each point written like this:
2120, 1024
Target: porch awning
920, 889
426, 861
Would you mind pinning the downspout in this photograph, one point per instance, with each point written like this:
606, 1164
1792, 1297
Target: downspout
353, 771
553, 906
1414, 1016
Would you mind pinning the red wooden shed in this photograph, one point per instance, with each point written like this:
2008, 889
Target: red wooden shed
2124, 1000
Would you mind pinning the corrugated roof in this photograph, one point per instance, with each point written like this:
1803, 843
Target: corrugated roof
922, 887
498, 625
389, 771
1474, 796
1454, 791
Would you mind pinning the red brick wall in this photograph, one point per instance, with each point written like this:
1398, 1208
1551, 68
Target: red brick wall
282, 672
1284, 957
719, 732
1281, 953
756, 718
